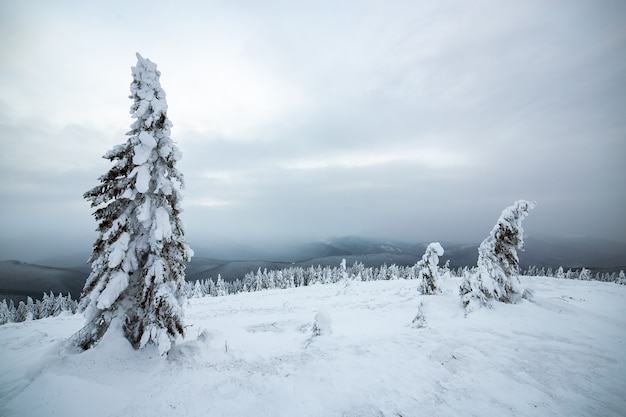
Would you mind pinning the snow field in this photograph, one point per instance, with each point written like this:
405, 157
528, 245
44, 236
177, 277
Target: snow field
254, 354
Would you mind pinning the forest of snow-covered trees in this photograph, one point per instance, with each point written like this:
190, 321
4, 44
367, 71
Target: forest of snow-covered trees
48, 306
291, 277
314, 275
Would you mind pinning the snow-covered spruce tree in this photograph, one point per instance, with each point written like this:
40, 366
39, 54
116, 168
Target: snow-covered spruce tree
21, 312
32, 309
138, 269
4, 312
45, 309
220, 286
498, 265
428, 269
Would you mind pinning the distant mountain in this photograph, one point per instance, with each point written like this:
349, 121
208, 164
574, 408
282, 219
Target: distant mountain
19, 280
353, 245
68, 274
595, 254
572, 253
328, 253
76, 261
232, 270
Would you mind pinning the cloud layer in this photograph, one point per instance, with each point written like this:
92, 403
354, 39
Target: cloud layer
407, 120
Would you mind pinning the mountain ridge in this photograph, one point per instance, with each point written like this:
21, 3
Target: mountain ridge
19, 280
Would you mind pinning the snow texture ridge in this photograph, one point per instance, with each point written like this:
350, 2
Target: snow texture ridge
247, 355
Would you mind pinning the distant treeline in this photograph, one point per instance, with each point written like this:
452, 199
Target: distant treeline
284, 278
48, 306
301, 277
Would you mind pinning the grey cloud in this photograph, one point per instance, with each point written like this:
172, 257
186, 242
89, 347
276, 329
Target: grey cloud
505, 100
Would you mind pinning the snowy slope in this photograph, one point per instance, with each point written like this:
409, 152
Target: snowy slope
563, 354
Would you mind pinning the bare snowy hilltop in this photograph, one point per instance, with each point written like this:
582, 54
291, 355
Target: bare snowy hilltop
346, 349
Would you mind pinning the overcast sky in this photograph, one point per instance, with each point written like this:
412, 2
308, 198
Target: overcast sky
410, 120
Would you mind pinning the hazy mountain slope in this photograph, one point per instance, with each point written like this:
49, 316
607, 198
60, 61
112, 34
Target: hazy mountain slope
237, 269
574, 253
19, 280
233, 269
329, 253
551, 253
200, 265
353, 245
369, 260
69, 261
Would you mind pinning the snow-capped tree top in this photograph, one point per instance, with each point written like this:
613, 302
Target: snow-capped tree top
434, 248
506, 236
509, 226
150, 105
146, 72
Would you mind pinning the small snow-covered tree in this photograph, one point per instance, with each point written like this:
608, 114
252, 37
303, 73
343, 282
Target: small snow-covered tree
59, 305
559, 273
45, 308
71, 304
12, 311
4, 312
356, 271
445, 270
428, 269
343, 270
196, 291
394, 272
31, 308
220, 287
138, 259
21, 313
498, 265
211, 289
419, 321
585, 274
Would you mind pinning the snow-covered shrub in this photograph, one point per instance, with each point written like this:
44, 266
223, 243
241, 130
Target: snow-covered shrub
138, 258
420, 320
498, 265
322, 325
428, 269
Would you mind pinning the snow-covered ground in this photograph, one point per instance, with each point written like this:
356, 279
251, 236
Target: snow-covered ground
254, 354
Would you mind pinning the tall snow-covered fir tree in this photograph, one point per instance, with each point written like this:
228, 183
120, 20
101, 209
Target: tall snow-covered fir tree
428, 269
138, 259
498, 265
